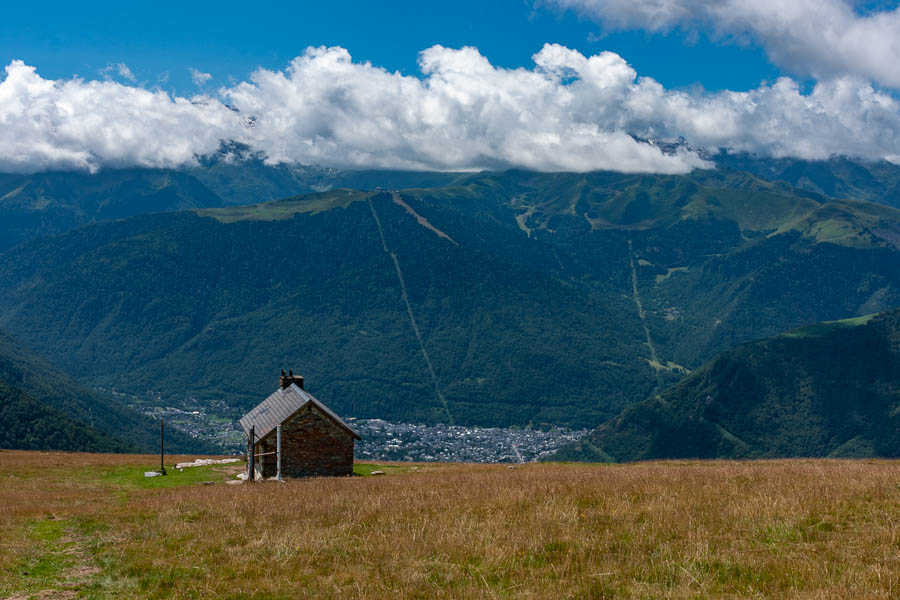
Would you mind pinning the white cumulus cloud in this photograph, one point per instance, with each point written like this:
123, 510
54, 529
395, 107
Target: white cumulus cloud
818, 38
568, 112
464, 114
78, 124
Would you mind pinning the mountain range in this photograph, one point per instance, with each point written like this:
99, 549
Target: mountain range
55, 202
510, 298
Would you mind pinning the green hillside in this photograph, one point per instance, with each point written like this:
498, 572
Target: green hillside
830, 389
503, 299
42, 408
180, 304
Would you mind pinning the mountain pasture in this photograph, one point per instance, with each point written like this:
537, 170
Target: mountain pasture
85, 525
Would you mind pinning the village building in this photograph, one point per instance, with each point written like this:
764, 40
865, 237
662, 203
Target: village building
314, 440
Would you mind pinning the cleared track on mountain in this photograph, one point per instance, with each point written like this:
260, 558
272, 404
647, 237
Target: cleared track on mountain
412, 318
640, 310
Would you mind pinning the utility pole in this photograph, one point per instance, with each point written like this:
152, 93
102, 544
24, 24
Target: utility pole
251, 460
278, 447
162, 446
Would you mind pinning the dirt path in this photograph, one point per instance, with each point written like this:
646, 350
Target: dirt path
62, 563
82, 569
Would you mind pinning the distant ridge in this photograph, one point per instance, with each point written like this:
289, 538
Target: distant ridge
838, 177
55, 202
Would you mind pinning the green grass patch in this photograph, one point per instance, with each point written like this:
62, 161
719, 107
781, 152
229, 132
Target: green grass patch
820, 329
133, 477
660, 277
550, 553
729, 575
46, 530
365, 469
285, 209
780, 534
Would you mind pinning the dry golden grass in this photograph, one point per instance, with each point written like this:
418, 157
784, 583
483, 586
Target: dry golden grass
775, 529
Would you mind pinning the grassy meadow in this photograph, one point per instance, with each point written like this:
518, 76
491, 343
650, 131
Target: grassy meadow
91, 526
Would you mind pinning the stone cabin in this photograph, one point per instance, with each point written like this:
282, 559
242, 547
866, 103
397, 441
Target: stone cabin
314, 440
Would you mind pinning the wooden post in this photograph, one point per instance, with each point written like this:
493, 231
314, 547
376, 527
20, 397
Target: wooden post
162, 446
251, 463
278, 448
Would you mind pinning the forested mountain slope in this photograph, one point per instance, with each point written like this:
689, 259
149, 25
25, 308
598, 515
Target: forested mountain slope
42, 408
48, 203
27, 424
502, 299
831, 389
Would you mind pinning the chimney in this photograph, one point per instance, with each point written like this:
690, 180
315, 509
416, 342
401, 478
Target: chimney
287, 380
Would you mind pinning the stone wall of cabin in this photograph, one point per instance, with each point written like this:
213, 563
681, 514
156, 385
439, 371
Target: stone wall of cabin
311, 445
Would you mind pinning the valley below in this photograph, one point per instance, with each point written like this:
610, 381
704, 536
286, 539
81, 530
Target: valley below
384, 440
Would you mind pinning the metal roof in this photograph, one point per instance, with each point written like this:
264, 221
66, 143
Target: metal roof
275, 410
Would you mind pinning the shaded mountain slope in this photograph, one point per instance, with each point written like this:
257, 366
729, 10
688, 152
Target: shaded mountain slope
831, 389
183, 304
42, 408
27, 424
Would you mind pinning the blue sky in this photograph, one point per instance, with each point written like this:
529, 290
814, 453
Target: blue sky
233, 38
551, 85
